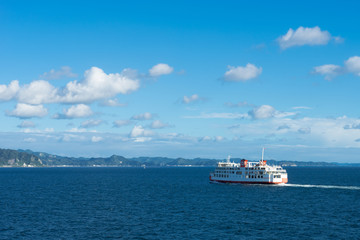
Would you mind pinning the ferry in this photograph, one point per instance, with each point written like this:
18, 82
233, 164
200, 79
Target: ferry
248, 172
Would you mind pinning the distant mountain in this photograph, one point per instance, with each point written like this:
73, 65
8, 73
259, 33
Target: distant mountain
13, 158
28, 158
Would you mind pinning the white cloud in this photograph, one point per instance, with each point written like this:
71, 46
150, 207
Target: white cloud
98, 85
206, 138
26, 124
190, 99
139, 131
237, 74
121, 123
91, 123
76, 111
262, 112
304, 36
10, 91
160, 69
96, 139
157, 124
64, 72
329, 70
143, 116
267, 111
23, 110
320, 132
353, 65
219, 138
38, 92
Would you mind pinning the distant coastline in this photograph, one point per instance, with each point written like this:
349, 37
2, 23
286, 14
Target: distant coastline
27, 158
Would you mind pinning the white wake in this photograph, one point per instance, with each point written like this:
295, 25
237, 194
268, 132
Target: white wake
321, 186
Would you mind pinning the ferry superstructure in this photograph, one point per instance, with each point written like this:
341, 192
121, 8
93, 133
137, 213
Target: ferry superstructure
248, 172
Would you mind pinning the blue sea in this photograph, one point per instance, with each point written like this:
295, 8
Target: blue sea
176, 203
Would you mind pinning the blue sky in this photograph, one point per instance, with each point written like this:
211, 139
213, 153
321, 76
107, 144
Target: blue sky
186, 79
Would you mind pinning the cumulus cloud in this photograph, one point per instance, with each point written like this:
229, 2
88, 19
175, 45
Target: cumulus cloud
121, 123
304, 36
267, 111
206, 138
157, 124
91, 123
328, 70
96, 139
143, 116
76, 111
96, 85
243, 74
64, 72
262, 112
23, 110
190, 99
10, 91
26, 124
219, 138
138, 132
160, 69
38, 92
351, 65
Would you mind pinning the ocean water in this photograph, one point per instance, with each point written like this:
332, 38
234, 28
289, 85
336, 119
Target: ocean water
176, 203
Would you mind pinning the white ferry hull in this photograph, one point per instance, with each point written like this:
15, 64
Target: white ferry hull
252, 181
247, 172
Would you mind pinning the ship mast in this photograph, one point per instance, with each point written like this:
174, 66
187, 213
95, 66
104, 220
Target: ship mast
262, 156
